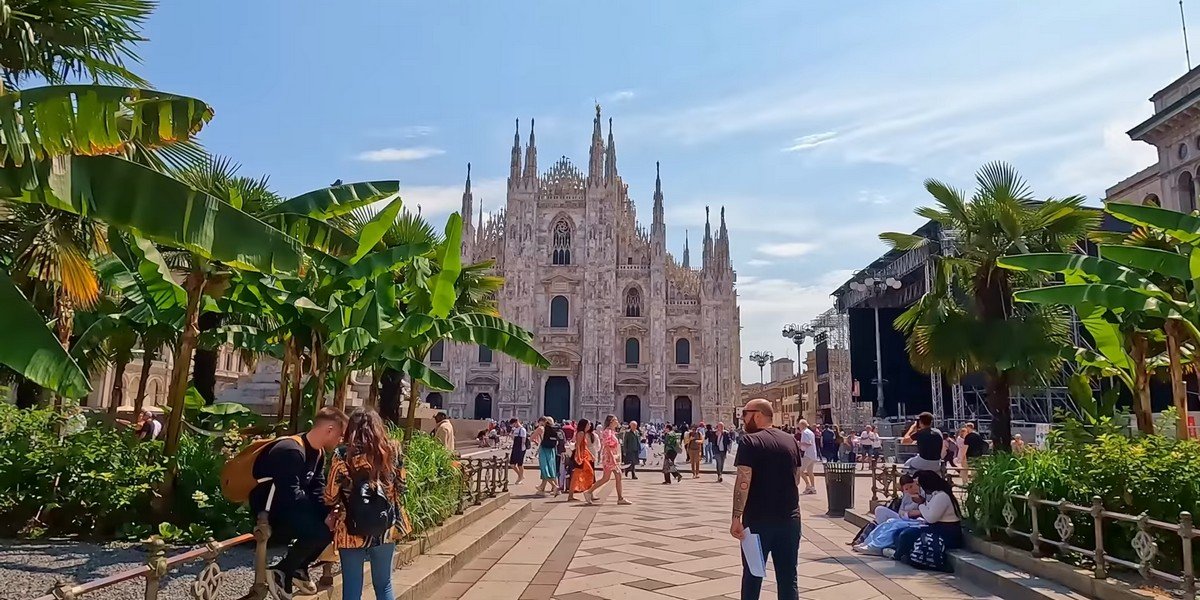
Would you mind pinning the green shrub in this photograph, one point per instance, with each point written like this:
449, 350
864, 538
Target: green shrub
198, 507
91, 482
433, 481
1154, 475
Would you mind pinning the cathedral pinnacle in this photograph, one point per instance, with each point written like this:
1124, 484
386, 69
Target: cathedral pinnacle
514, 167
596, 169
610, 156
531, 172
659, 227
687, 258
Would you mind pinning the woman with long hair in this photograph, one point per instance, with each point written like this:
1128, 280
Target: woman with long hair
694, 443
941, 513
365, 493
583, 476
609, 446
548, 457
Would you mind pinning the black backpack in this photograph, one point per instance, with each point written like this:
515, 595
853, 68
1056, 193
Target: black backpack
369, 512
550, 437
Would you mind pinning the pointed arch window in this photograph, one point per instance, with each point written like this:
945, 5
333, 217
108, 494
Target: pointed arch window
561, 253
560, 311
683, 352
633, 302
633, 351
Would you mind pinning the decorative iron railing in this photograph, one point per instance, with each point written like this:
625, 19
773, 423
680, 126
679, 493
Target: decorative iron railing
1025, 517
479, 479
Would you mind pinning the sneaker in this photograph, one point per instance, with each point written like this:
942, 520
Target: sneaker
888, 553
624, 502
302, 585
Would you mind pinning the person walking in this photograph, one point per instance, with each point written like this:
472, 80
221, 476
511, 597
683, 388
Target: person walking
631, 442
520, 443
583, 472
548, 457
808, 460
670, 451
722, 440
695, 444
609, 447
365, 495
766, 501
710, 442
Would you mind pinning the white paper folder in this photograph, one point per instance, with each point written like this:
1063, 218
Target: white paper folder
752, 552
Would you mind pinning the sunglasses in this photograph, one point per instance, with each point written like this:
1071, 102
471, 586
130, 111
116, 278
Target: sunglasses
746, 411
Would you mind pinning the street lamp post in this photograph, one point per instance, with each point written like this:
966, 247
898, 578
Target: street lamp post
761, 359
876, 287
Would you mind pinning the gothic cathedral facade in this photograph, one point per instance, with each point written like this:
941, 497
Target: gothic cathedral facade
628, 329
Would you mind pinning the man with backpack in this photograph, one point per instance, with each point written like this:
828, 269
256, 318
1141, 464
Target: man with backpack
290, 476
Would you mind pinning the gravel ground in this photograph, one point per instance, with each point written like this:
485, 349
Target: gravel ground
30, 569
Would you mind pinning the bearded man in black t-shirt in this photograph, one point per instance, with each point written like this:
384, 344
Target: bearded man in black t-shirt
766, 498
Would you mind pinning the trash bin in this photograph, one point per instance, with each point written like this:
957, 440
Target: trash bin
839, 487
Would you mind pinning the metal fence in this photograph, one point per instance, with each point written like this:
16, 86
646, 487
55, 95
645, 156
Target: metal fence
479, 478
1163, 550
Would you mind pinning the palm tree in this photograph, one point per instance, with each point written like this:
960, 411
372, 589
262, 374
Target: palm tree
968, 322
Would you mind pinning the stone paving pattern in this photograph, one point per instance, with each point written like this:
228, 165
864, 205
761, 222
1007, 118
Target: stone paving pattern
674, 544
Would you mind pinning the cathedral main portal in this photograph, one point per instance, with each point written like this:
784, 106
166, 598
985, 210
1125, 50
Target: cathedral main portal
558, 398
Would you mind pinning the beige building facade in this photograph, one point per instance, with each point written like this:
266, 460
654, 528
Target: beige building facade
792, 395
1174, 131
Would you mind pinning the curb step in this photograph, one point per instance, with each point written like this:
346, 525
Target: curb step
991, 574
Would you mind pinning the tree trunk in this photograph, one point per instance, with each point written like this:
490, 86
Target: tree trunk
1178, 385
283, 381
29, 394
297, 391
319, 383
341, 388
139, 399
373, 393
1141, 384
414, 397
1000, 405
390, 385
204, 364
194, 286
118, 388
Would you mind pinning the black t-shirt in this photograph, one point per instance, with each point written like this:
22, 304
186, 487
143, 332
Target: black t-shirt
929, 443
773, 456
829, 438
976, 445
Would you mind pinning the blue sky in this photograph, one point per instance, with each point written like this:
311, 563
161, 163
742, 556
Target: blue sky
813, 122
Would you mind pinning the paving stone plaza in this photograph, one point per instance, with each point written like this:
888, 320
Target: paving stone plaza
674, 544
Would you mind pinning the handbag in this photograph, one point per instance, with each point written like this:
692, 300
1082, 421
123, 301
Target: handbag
929, 553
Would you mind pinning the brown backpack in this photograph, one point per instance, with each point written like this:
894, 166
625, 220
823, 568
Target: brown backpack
237, 476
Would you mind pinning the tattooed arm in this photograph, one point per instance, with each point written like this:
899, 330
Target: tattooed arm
741, 490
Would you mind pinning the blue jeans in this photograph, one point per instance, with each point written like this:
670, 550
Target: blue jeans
381, 570
780, 541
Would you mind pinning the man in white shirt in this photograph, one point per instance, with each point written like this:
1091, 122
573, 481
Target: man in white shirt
871, 444
808, 445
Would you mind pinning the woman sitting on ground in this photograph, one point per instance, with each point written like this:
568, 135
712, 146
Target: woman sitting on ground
941, 514
902, 512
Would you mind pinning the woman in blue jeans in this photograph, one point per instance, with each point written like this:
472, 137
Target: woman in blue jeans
365, 494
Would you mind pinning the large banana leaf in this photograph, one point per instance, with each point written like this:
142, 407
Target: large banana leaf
314, 233
155, 206
155, 283
93, 119
30, 348
1112, 297
1149, 260
1090, 268
1183, 227
444, 288
374, 230
337, 200
382, 261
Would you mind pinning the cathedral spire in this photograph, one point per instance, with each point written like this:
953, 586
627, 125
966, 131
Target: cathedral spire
687, 254
707, 251
596, 158
467, 199
723, 244
610, 157
531, 172
514, 168
659, 224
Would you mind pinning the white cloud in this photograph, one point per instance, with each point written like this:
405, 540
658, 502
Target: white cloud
758, 262
787, 249
438, 200
871, 197
619, 96
810, 141
399, 154
406, 131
